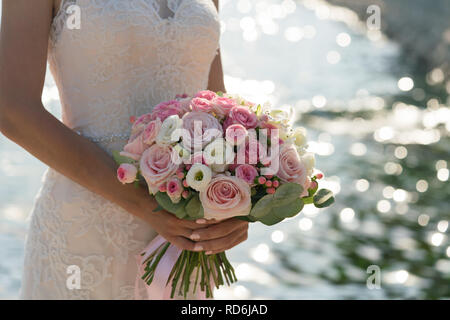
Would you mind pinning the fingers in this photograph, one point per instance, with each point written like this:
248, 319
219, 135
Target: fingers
218, 230
221, 244
183, 243
194, 225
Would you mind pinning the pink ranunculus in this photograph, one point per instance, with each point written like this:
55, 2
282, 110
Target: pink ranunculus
151, 131
226, 197
167, 109
201, 128
291, 168
236, 134
206, 94
174, 189
126, 173
247, 173
222, 106
244, 116
157, 166
202, 105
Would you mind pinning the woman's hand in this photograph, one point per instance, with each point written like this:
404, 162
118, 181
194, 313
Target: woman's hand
220, 236
201, 235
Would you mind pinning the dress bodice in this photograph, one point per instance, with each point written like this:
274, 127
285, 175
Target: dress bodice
127, 56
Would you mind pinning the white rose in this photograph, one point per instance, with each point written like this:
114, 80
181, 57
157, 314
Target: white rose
299, 137
198, 177
168, 127
309, 161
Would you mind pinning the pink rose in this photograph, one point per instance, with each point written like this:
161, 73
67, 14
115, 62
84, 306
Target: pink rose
174, 189
202, 105
157, 166
126, 173
201, 128
226, 197
151, 131
206, 94
135, 147
244, 116
167, 109
291, 169
222, 106
247, 173
236, 134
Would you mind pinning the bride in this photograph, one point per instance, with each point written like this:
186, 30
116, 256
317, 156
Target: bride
123, 58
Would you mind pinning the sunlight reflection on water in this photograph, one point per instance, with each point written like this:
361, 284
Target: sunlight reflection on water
316, 58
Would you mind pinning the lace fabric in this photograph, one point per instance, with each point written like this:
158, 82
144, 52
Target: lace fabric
127, 57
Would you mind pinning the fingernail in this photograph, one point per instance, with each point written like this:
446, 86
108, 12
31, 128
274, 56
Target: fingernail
200, 221
195, 236
198, 247
208, 252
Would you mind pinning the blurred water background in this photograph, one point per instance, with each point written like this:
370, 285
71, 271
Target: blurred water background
379, 123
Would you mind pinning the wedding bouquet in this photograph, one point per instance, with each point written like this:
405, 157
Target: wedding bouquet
217, 156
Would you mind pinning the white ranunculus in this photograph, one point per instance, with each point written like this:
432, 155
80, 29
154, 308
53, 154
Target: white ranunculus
198, 177
168, 127
218, 152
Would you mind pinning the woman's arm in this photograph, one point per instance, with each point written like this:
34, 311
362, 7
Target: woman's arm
23, 119
216, 82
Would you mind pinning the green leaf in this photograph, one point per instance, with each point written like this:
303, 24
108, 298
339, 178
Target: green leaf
219, 93
121, 159
290, 209
258, 110
323, 198
194, 208
247, 218
178, 209
270, 220
287, 193
262, 207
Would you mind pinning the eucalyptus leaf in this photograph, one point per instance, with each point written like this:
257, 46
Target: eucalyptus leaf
262, 207
289, 210
287, 193
270, 220
178, 209
194, 208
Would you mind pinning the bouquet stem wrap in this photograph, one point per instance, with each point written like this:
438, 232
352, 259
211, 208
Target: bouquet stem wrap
167, 272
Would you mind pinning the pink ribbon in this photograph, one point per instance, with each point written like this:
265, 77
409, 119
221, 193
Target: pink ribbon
158, 290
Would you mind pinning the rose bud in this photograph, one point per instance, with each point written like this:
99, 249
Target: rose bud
126, 173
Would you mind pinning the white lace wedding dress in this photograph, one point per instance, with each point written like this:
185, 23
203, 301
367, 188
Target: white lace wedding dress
128, 56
